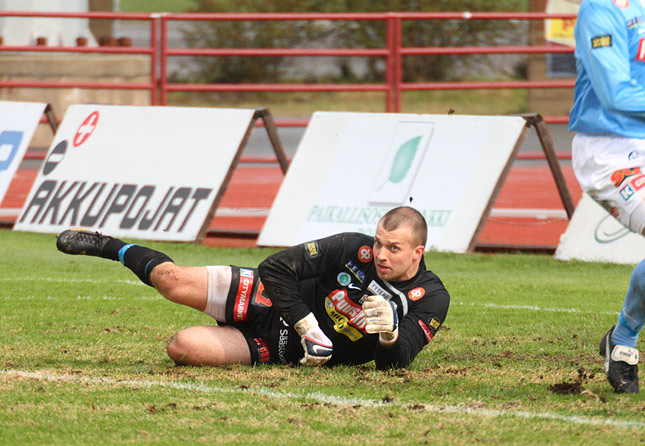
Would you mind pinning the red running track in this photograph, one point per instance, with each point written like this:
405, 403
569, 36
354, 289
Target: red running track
526, 187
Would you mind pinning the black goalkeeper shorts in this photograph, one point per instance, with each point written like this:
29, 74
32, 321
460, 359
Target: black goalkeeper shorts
270, 338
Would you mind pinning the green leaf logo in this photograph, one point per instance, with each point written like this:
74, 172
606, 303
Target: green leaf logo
403, 160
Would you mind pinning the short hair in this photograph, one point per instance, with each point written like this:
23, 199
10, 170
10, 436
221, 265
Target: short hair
407, 216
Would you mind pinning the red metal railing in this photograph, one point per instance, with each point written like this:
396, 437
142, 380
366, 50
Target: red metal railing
393, 53
151, 51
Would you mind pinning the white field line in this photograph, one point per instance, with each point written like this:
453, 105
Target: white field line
461, 408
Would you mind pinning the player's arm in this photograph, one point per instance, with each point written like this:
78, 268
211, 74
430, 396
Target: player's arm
415, 330
281, 272
603, 48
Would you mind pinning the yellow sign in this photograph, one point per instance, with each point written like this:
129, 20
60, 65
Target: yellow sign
560, 31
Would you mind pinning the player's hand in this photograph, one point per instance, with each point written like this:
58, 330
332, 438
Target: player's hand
317, 346
381, 318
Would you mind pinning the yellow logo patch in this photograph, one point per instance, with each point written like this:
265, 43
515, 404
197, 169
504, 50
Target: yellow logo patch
601, 42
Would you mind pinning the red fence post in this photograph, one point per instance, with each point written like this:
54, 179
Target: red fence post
393, 64
154, 57
163, 61
398, 64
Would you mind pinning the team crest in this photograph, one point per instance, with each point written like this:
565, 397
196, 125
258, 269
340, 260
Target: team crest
365, 254
416, 293
622, 4
343, 279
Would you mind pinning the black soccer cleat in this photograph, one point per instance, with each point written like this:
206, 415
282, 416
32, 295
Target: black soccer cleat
621, 365
78, 241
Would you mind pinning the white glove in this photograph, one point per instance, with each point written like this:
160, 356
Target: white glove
317, 346
381, 318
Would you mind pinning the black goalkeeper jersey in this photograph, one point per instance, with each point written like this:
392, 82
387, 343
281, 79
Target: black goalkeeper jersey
330, 278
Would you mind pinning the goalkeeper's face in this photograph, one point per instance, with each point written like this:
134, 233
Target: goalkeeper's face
396, 256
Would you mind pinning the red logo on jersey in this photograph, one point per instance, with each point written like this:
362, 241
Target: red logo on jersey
638, 182
243, 294
416, 293
365, 254
426, 331
622, 4
260, 298
86, 129
641, 51
619, 175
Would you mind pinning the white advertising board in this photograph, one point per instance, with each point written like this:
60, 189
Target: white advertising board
18, 122
142, 172
351, 168
593, 235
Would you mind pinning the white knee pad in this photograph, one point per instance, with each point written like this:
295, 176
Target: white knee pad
219, 283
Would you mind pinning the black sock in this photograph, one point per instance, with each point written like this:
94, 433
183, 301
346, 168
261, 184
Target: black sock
140, 260
111, 249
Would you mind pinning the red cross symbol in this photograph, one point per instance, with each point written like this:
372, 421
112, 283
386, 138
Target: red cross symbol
86, 128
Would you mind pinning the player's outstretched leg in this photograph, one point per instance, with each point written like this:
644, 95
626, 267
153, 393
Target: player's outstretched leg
139, 259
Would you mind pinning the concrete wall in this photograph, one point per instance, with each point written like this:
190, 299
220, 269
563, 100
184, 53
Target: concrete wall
74, 67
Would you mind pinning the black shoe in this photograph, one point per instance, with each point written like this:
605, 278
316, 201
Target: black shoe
621, 365
81, 241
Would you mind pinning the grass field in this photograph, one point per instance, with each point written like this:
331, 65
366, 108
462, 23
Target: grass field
155, 5
302, 105
82, 361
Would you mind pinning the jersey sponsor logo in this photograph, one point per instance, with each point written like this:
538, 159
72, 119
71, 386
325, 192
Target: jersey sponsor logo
633, 23
426, 331
622, 4
344, 279
264, 354
434, 323
416, 293
601, 42
627, 192
86, 129
619, 175
640, 56
347, 315
365, 254
638, 182
311, 249
243, 292
355, 270
283, 341
260, 298
375, 288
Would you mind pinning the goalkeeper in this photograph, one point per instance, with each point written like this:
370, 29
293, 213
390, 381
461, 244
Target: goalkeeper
344, 299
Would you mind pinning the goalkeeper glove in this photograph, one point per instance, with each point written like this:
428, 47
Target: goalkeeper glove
317, 346
381, 318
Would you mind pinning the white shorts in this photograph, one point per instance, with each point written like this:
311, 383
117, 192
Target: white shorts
611, 169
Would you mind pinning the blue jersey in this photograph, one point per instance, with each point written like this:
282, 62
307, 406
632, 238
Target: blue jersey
610, 61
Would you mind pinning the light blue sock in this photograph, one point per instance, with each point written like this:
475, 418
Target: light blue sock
122, 251
632, 316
